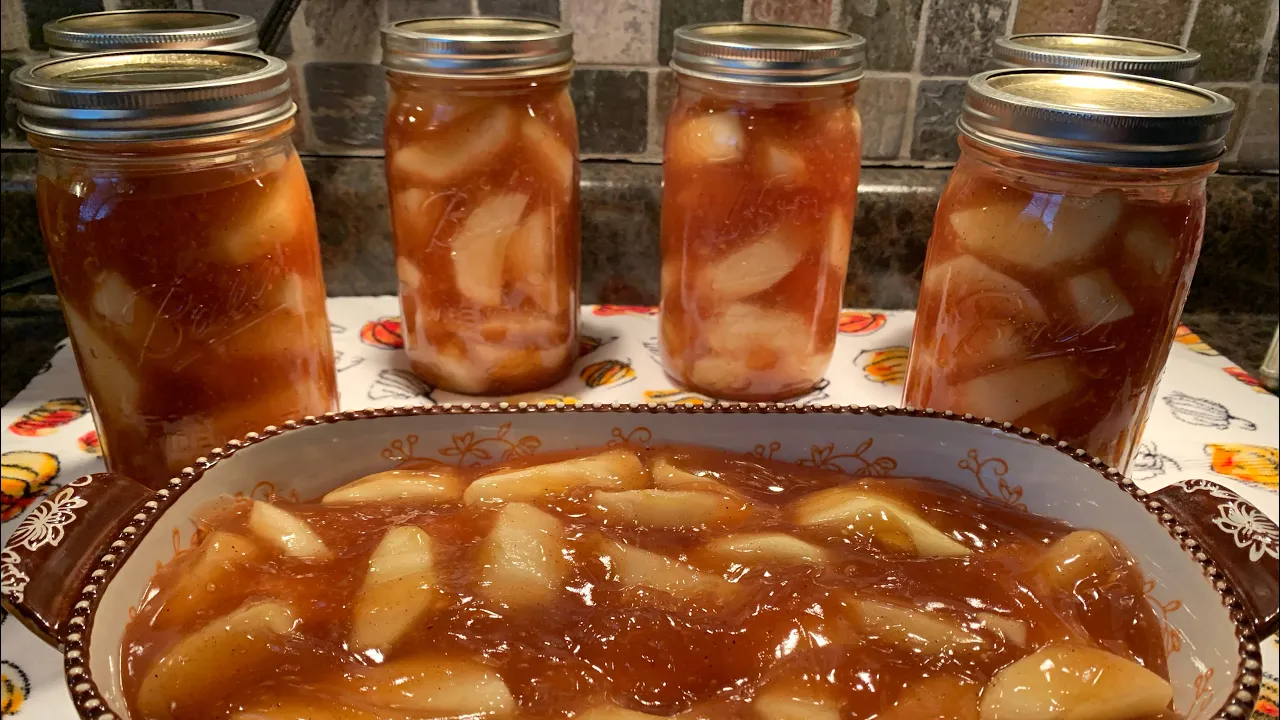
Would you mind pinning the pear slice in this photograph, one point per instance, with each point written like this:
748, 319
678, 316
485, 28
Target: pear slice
531, 261
763, 548
552, 154
273, 214
1148, 249
865, 512
448, 155
915, 630
967, 281
795, 699
1011, 630
633, 566
618, 469
398, 590
108, 375
479, 245
523, 557
196, 672
740, 329
1095, 299
937, 697
219, 554
752, 268
299, 709
708, 140
1077, 557
781, 165
609, 711
667, 476
286, 532
1077, 682
435, 486
1040, 231
435, 686
669, 508
839, 238
1009, 394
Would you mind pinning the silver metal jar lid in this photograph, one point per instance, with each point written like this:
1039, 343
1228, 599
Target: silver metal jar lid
149, 95
1096, 118
1103, 53
763, 54
150, 30
477, 47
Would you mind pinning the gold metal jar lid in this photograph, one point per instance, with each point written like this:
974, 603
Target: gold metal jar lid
764, 54
1103, 53
150, 95
150, 30
1096, 118
477, 47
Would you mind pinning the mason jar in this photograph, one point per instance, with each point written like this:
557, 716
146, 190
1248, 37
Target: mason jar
760, 176
181, 234
150, 30
482, 169
1101, 53
1062, 252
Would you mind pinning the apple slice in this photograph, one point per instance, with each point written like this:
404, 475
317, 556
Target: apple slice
480, 244
754, 267
667, 476
1074, 681
195, 673
219, 554
669, 508
1040, 232
531, 261
1011, 630
741, 328
448, 368
523, 557
1077, 557
795, 699
763, 548
553, 156
1148, 249
885, 519
299, 709
839, 237
436, 485
633, 566
434, 686
708, 139
781, 165
965, 281
399, 589
1095, 299
618, 469
1007, 395
918, 631
272, 216
609, 711
107, 373
286, 532
447, 155
936, 697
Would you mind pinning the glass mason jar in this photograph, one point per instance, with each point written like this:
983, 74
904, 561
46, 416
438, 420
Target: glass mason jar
482, 168
182, 238
1062, 252
150, 30
760, 179
1100, 53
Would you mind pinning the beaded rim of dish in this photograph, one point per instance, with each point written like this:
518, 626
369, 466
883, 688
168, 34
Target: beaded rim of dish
75, 646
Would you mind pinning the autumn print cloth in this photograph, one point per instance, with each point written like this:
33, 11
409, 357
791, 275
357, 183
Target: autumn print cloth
1211, 420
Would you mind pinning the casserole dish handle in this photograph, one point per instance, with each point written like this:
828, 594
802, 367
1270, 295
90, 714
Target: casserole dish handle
45, 562
1234, 541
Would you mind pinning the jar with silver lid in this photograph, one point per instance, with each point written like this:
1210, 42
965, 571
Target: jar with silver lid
1062, 252
1101, 53
482, 168
150, 30
181, 234
760, 177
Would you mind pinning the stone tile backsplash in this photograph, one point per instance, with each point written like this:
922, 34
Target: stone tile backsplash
918, 55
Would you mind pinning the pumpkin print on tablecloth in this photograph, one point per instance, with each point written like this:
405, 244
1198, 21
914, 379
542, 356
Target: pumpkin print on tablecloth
1250, 463
16, 688
860, 322
607, 372
90, 443
27, 474
385, 333
49, 416
887, 366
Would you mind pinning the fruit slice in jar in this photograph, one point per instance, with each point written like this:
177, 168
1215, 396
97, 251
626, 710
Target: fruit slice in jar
1006, 395
762, 549
132, 317
635, 567
754, 267
437, 484
195, 673
971, 287
839, 237
778, 164
707, 140
619, 469
1095, 299
289, 534
479, 246
669, 508
918, 631
433, 686
272, 215
399, 589
1074, 681
107, 373
1039, 231
522, 558
1148, 248
885, 520
446, 155
555, 160
939, 697
531, 261
219, 556
1079, 556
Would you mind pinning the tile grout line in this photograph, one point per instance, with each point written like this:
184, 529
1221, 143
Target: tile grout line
1272, 20
1100, 22
833, 20
908, 131
1013, 17
1190, 22
475, 7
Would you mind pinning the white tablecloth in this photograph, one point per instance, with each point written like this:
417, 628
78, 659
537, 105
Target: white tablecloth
1211, 420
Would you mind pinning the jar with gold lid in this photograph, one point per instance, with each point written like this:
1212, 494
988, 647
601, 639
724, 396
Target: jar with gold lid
115, 30
1062, 252
182, 238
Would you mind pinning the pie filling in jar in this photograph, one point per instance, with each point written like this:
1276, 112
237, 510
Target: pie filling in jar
184, 248
625, 583
482, 167
760, 175
1062, 252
